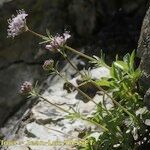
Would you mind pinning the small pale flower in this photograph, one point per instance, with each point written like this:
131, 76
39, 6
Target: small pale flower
26, 87
17, 24
66, 35
48, 46
57, 42
48, 65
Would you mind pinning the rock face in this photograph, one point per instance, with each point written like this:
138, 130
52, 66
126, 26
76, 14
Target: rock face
9, 95
46, 124
147, 99
144, 51
20, 59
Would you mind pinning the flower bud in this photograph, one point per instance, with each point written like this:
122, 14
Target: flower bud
17, 24
26, 87
48, 65
57, 42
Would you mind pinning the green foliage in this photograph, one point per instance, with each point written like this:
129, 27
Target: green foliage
99, 61
118, 126
122, 83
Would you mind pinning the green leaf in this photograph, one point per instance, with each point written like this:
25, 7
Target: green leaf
95, 135
45, 38
122, 65
132, 57
116, 72
46, 41
136, 74
113, 72
48, 33
103, 82
126, 58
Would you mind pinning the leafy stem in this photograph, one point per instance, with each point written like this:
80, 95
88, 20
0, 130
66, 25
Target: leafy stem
36, 34
79, 53
81, 92
76, 115
115, 102
73, 66
60, 108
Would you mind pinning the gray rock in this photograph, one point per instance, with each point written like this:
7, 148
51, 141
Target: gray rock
144, 51
147, 122
147, 99
47, 122
35, 130
86, 24
11, 80
18, 148
4, 1
94, 11
45, 113
58, 16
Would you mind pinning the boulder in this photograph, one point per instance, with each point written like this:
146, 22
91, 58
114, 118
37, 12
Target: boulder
147, 99
10, 81
45, 122
144, 51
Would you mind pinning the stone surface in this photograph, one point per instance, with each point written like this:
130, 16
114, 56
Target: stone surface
4, 1
35, 130
95, 25
11, 80
107, 24
147, 122
48, 123
144, 51
45, 113
147, 99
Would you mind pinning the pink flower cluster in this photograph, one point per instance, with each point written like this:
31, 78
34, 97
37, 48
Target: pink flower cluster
17, 24
26, 87
58, 41
48, 65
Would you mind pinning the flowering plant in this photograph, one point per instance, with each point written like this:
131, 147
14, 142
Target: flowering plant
122, 126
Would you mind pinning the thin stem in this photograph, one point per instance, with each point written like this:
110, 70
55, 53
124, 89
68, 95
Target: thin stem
95, 123
60, 108
36, 34
85, 95
65, 46
85, 56
57, 131
78, 53
124, 109
107, 111
81, 92
73, 66
79, 116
